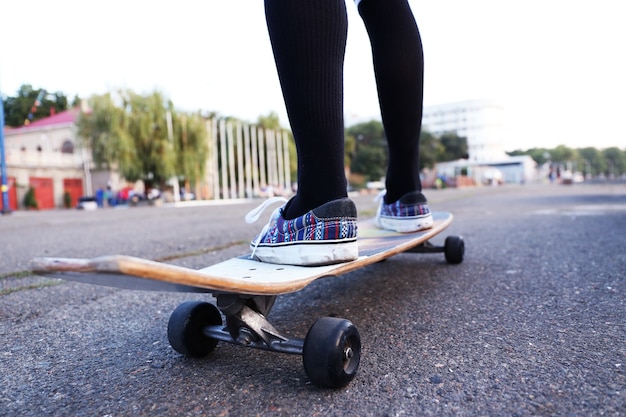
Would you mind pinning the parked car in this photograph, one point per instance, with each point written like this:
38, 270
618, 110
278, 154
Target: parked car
87, 203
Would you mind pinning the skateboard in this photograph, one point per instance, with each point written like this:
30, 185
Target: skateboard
246, 289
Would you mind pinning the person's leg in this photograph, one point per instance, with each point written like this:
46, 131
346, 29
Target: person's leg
318, 225
399, 68
308, 39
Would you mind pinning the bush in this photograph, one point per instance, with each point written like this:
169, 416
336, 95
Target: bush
30, 202
67, 200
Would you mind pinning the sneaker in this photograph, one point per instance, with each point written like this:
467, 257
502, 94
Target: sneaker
409, 214
325, 235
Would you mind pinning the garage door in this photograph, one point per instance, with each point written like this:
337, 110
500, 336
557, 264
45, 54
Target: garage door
74, 187
44, 192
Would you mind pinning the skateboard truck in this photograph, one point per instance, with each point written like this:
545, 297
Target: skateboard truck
247, 325
331, 350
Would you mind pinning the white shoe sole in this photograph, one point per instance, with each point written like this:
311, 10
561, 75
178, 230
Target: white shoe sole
308, 253
405, 224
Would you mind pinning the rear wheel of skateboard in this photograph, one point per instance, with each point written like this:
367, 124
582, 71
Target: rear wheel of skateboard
332, 352
454, 249
185, 329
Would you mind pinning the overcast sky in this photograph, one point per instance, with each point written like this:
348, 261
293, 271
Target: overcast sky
557, 66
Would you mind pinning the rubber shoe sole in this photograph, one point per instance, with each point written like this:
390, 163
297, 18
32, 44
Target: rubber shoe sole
308, 253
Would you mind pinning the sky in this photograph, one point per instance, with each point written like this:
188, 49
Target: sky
557, 66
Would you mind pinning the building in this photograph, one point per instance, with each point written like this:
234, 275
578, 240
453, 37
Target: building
46, 156
512, 170
481, 122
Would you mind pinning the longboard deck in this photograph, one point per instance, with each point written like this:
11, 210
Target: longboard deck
240, 275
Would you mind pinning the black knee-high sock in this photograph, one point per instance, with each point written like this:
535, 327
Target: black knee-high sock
309, 39
399, 68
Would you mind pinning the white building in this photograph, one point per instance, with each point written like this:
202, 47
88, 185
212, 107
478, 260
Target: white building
46, 156
480, 121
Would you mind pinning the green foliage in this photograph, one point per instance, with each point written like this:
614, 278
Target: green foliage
539, 155
190, 145
453, 147
133, 133
616, 161
366, 149
562, 154
17, 109
271, 121
589, 160
146, 125
30, 202
430, 149
67, 200
104, 130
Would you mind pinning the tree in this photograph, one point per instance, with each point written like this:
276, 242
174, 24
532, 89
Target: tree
367, 151
616, 160
591, 161
17, 109
146, 124
453, 147
430, 149
271, 121
563, 154
130, 132
539, 155
103, 128
191, 146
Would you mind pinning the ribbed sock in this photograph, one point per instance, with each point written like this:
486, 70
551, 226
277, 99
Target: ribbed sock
308, 39
399, 68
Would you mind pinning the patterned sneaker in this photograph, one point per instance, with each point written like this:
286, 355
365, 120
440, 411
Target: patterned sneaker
325, 235
409, 214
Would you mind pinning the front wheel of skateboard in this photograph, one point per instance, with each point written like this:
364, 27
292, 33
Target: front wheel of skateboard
332, 352
185, 329
454, 249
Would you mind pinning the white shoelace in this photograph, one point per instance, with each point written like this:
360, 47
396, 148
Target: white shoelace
254, 215
380, 196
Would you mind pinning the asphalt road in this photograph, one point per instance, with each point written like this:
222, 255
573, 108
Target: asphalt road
533, 322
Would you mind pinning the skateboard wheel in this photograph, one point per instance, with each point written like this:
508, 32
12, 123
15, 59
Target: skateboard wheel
185, 329
332, 352
454, 249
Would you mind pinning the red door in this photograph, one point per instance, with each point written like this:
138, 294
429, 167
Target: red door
44, 192
12, 194
74, 187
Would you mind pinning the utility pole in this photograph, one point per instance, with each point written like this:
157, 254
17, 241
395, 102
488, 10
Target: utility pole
4, 188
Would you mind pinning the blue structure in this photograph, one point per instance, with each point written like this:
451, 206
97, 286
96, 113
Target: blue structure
4, 188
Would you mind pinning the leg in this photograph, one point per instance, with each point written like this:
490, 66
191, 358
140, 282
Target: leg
399, 68
309, 39
318, 226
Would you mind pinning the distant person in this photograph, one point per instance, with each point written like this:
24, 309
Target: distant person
100, 197
319, 224
109, 196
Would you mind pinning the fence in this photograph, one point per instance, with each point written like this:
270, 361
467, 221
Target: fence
246, 161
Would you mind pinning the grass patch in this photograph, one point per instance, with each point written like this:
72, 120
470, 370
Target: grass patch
31, 287
18, 275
